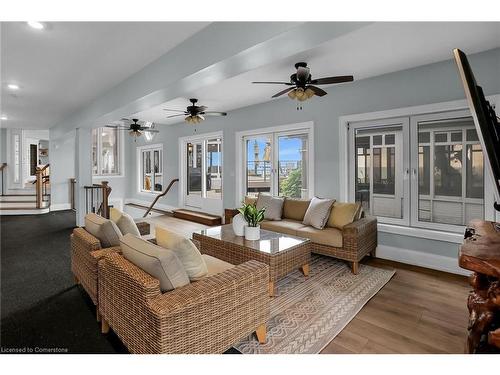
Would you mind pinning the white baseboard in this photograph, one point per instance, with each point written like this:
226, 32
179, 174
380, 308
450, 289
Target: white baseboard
421, 259
160, 206
60, 206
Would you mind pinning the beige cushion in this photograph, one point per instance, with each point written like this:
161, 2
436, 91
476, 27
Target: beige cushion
295, 209
103, 229
318, 211
125, 223
114, 214
160, 263
273, 206
285, 226
185, 250
215, 265
250, 200
325, 236
343, 214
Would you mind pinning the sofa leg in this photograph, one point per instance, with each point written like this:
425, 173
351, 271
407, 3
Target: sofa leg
373, 253
305, 269
104, 326
98, 316
354, 267
75, 279
261, 333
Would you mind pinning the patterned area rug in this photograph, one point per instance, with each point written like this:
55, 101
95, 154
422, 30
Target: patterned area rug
307, 313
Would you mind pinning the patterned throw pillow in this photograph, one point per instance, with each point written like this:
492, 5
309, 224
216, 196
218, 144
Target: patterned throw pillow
273, 206
318, 212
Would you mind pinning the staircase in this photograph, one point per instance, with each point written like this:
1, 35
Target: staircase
25, 204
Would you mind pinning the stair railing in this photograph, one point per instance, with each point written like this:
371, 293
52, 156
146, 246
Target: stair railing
97, 199
42, 179
161, 195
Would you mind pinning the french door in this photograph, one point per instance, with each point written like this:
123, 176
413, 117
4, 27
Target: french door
201, 176
380, 177
278, 163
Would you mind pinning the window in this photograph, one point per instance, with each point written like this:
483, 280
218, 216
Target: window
151, 168
424, 171
204, 168
105, 152
278, 163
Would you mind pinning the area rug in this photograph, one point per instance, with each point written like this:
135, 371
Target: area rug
307, 313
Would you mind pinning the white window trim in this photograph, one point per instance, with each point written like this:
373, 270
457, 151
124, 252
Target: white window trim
121, 158
434, 108
138, 155
182, 162
239, 137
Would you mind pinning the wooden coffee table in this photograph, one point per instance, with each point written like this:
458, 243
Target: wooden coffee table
281, 252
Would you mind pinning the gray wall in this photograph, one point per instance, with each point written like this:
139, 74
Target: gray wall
428, 84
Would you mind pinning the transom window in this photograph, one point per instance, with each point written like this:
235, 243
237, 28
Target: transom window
105, 152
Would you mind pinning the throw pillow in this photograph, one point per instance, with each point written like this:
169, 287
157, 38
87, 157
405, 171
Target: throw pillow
343, 214
114, 214
273, 206
295, 209
160, 263
185, 250
127, 225
317, 213
103, 229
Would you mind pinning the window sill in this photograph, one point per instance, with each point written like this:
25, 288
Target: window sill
108, 176
421, 233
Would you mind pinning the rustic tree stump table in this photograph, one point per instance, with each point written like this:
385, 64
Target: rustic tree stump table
480, 253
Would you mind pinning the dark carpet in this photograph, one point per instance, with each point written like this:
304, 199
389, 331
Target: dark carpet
42, 310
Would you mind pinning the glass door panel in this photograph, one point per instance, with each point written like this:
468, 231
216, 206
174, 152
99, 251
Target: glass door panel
214, 168
259, 169
194, 169
379, 171
292, 166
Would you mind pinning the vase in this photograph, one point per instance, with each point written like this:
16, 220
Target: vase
252, 233
239, 224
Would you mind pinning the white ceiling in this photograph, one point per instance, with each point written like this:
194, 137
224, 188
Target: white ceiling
373, 50
69, 64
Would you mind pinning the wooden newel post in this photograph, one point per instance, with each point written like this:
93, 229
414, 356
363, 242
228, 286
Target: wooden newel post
105, 202
39, 187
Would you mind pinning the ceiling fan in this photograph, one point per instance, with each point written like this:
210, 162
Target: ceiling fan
302, 85
134, 129
194, 114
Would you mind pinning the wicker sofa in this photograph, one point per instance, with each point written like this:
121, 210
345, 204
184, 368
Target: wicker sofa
351, 243
205, 316
86, 251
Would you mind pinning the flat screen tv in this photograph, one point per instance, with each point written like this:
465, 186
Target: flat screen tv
485, 120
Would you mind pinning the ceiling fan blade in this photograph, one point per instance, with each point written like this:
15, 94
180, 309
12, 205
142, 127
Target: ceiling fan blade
181, 114
173, 110
117, 127
317, 91
303, 74
148, 130
332, 80
212, 113
282, 92
202, 108
276, 83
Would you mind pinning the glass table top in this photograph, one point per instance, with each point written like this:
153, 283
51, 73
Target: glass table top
270, 242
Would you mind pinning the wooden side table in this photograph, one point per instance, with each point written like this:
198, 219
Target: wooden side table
480, 253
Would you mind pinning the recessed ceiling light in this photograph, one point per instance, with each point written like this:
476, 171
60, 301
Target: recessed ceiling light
36, 25
4, 117
13, 86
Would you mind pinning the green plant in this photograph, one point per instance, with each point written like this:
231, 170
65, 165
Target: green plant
252, 215
292, 185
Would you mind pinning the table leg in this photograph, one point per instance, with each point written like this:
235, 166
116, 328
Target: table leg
271, 288
305, 269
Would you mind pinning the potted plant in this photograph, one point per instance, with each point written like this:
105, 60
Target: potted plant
253, 217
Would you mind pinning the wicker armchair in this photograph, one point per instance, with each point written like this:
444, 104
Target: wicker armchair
206, 316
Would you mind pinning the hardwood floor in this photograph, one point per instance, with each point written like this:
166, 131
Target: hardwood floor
418, 311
